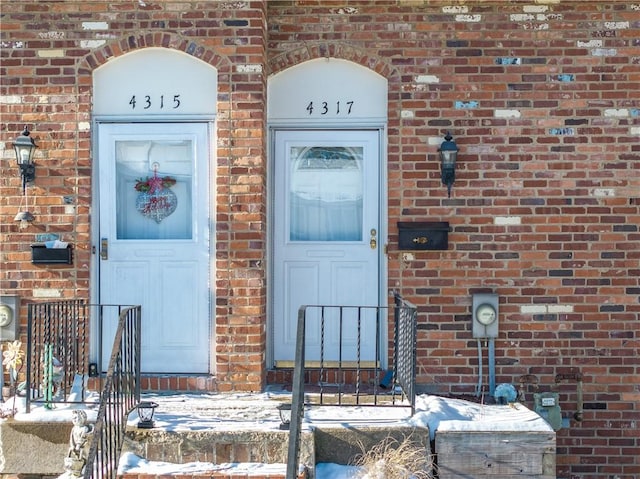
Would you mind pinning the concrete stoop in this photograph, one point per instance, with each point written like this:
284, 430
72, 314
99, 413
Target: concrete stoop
334, 444
215, 475
37, 448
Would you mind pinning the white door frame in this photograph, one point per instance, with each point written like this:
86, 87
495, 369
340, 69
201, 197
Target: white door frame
382, 222
94, 341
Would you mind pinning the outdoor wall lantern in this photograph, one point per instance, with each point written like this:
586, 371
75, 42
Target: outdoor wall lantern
25, 147
448, 155
284, 410
145, 413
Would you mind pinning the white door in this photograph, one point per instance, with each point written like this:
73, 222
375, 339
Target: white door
154, 239
326, 240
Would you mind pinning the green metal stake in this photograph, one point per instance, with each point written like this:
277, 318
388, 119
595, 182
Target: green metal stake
48, 376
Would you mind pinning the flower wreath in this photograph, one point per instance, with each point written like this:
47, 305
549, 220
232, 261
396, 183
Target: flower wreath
153, 184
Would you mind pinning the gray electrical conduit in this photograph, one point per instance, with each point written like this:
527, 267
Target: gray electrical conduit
479, 385
492, 366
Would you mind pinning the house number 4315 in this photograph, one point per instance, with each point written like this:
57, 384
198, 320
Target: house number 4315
325, 108
146, 101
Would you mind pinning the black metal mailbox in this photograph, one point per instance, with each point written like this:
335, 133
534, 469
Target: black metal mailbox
40, 254
426, 235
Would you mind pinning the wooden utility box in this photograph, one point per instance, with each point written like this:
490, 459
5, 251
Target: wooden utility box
495, 455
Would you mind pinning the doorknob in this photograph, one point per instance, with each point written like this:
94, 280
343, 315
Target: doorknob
104, 248
373, 242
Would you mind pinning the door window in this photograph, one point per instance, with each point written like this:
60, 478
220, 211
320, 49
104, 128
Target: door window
326, 193
154, 189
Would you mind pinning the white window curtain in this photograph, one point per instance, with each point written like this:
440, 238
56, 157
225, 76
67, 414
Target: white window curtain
326, 193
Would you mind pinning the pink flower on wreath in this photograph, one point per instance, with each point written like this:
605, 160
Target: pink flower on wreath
154, 184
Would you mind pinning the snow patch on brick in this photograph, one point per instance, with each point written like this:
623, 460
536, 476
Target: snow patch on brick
507, 114
249, 68
590, 44
616, 112
95, 26
603, 192
59, 53
16, 44
462, 105
408, 257
521, 17
616, 25
51, 35
47, 293
234, 5
604, 52
427, 79
533, 309
535, 8
468, 18
10, 99
507, 220
92, 43
560, 308
345, 11
535, 26
455, 9
546, 308
562, 131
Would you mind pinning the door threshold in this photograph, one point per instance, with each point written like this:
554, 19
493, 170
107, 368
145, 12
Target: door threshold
284, 364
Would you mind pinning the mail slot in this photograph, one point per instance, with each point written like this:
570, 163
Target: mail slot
40, 254
429, 235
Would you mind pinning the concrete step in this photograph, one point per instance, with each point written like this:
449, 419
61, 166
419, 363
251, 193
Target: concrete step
214, 475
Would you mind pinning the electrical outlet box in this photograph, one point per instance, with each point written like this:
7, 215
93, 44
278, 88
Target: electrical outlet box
485, 315
9, 321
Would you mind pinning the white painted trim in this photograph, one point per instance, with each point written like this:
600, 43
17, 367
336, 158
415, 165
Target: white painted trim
164, 82
340, 92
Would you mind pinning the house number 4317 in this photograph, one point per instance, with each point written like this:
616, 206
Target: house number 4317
325, 108
146, 101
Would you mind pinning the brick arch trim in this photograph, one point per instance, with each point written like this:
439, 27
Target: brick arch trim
131, 43
334, 50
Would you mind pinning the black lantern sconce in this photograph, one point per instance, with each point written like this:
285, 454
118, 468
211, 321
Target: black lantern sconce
25, 147
284, 410
145, 413
448, 155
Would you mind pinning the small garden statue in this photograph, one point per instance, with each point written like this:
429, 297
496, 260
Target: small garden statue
79, 443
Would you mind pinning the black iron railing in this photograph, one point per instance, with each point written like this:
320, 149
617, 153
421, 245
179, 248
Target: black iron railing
120, 395
58, 368
356, 380
404, 349
57, 352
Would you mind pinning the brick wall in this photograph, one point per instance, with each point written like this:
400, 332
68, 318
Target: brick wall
542, 99
49, 51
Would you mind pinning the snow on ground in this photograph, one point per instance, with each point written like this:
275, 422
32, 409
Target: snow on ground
254, 411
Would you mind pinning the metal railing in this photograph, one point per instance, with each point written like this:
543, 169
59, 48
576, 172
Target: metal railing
400, 378
57, 346
120, 395
57, 369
